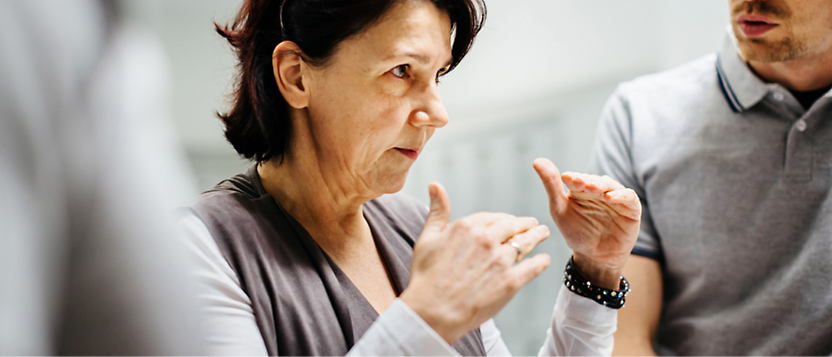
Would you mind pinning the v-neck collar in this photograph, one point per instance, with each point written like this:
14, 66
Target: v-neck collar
354, 311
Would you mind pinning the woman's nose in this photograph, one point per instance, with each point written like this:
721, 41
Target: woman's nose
431, 110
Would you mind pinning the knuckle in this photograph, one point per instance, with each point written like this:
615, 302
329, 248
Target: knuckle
501, 261
484, 240
514, 283
464, 224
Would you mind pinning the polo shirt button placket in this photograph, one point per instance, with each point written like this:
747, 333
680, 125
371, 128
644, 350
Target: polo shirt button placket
799, 149
779, 96
800, 125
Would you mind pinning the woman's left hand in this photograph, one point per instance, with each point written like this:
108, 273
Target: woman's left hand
599, 219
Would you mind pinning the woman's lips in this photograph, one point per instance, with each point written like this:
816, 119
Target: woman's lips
410, 153
755, 25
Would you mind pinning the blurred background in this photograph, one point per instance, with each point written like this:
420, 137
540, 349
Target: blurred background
533, 86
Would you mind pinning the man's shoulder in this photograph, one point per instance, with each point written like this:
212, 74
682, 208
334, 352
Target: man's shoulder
697, 75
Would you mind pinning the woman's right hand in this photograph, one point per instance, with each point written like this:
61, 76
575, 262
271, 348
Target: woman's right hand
464, 272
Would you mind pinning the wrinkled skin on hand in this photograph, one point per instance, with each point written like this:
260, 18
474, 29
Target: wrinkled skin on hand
463, 272
599, 219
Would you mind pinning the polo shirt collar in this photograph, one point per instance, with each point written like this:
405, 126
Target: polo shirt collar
741, 87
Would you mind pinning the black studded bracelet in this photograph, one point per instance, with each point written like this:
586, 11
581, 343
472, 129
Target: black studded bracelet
576, 283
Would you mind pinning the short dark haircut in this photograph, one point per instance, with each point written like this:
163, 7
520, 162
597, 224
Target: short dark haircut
258, 124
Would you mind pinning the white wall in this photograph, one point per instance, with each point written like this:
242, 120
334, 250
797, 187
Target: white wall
532, 86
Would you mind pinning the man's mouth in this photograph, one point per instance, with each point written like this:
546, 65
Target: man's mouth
411, 153
755, 25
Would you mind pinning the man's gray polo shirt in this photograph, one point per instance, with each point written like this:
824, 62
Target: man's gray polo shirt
734, 177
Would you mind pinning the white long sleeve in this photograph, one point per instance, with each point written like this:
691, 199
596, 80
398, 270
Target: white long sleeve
579, 325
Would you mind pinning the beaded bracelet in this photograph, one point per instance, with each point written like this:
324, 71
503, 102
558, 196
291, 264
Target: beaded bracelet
613, 299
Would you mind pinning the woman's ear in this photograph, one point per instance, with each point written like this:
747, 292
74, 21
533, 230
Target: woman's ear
289, 71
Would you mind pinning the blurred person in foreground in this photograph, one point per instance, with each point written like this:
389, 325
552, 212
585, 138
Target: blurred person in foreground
310, 252
89, 173
731, 156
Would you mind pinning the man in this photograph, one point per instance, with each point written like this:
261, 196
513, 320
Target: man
732, 157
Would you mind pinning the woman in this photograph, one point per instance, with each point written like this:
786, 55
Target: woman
302, 255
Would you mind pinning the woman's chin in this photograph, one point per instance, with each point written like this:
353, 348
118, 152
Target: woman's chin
392, 183
389, 176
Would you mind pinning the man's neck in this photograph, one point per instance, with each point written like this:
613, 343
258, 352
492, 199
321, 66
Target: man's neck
806, 73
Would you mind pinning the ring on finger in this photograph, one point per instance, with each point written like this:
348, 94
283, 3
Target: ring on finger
517, 247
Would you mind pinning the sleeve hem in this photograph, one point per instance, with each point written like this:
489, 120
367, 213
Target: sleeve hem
578, 308
658, 256
400, 331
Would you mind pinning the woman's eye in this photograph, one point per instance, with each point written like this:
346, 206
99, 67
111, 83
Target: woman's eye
399, 71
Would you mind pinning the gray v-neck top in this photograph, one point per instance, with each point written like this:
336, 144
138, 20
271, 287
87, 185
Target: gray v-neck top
303, 303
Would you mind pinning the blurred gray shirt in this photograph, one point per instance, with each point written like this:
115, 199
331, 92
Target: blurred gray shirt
89, 172
735, 179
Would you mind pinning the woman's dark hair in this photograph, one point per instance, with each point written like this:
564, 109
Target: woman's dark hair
258, 124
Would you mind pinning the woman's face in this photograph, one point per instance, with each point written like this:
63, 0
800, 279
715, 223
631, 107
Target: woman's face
374, 105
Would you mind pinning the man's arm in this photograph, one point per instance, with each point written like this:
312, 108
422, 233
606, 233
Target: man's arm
639, 318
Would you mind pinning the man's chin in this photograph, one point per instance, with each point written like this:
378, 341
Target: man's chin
768, 51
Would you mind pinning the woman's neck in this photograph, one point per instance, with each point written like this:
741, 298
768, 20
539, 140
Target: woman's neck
323, 203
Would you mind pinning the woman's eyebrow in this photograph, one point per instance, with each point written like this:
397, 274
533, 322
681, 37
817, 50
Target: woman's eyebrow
422, 59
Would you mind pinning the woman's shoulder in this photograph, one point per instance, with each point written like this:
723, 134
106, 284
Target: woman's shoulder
243, 184
236, 196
